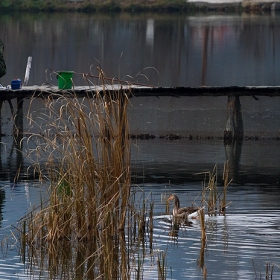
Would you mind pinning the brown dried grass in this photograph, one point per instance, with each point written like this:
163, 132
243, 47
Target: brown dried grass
83, 151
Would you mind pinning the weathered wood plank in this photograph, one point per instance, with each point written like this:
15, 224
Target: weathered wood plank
138, 91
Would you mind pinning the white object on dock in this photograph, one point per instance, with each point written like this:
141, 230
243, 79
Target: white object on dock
27, 71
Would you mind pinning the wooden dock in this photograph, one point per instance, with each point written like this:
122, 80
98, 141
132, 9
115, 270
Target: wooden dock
234, 123
143, 91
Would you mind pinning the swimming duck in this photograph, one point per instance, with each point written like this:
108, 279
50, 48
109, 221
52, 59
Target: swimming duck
183, 212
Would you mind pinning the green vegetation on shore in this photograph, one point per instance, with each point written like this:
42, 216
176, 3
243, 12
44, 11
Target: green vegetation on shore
96, 5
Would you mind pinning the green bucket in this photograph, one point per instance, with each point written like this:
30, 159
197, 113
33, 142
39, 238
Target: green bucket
65, 79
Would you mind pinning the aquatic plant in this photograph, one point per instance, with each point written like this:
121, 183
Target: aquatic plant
269, 267
227, 181
161, 265
83, 154
210, 193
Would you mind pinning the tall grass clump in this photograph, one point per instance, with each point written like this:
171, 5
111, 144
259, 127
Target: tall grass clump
82, 152
210, 191
216, 202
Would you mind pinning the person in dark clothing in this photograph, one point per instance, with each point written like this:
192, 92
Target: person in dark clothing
2, 61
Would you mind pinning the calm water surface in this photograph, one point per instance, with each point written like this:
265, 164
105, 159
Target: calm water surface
209, 49
170, 50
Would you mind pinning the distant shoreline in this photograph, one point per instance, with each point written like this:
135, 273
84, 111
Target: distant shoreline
135, 6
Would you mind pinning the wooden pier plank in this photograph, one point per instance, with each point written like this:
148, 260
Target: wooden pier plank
138, 91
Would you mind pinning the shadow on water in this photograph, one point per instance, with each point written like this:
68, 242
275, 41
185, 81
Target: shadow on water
162, 161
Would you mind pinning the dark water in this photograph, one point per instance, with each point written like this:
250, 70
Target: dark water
209, 49
190, 50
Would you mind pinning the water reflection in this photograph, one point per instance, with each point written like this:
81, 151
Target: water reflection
11, 155
190, 50
2, 201
233, 153
232, 241
63, 42
162, 159
200, 261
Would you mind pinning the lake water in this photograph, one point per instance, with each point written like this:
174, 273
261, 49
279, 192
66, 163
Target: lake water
239, 245
170, 50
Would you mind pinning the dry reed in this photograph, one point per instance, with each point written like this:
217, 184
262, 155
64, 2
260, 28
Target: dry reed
161, 265
226, 180
210, 193
83, 151
202, 223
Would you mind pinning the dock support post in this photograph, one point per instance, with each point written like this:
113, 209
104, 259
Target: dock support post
233, 135
234, 125
18, 136
18, 122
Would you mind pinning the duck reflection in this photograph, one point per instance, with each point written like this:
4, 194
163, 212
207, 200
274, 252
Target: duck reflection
176, 224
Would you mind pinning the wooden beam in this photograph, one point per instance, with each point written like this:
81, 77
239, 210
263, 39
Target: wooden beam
138, 91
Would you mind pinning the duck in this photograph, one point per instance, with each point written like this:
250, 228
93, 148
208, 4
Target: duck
181, 213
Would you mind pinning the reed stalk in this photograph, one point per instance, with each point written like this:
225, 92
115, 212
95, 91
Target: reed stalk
210, 194
83, 151
268, 270
213, 192
161, 265
151, 225
226, 180
202, 223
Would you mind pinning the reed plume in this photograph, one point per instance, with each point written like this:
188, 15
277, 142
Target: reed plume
83, 152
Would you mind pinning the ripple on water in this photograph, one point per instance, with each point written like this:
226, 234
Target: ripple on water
246, 233
238, 245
